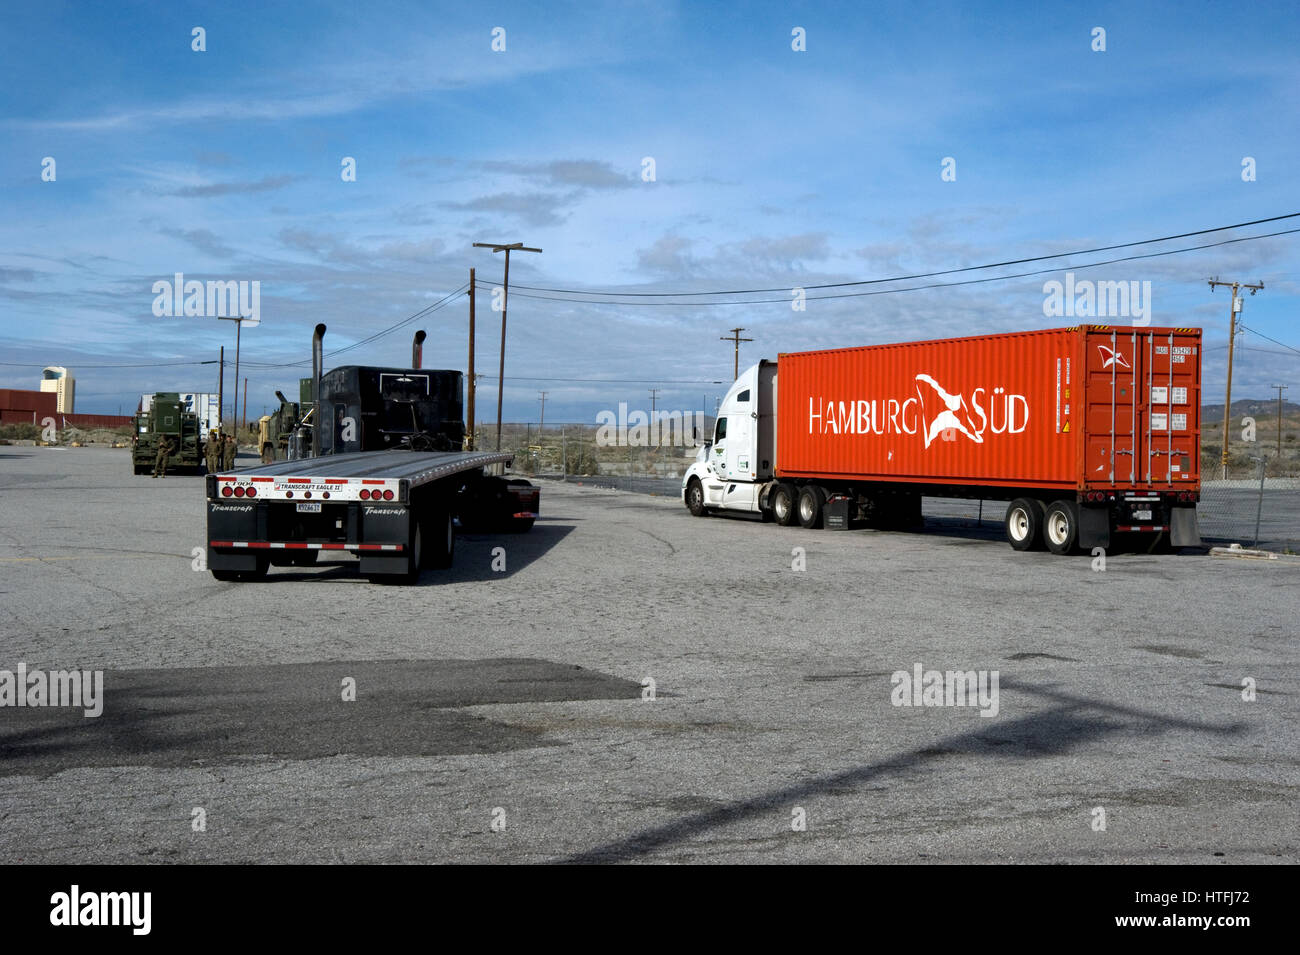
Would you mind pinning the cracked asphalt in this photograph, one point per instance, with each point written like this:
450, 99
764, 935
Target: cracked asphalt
506, 716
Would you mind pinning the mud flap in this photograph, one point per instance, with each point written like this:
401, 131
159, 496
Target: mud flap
243, 559
1094, 527
1183, 529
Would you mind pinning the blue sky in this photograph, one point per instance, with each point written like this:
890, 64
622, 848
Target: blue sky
773, 168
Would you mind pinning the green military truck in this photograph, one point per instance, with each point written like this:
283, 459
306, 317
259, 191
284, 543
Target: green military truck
281, 433
167, 415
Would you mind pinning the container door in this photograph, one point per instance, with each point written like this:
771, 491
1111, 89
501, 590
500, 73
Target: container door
1113, 407
1171, 423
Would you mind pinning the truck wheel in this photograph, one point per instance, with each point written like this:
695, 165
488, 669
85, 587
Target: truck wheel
441, 547
811, 500
1024, 523
1061, 527
414, 555
783, 505
695, 498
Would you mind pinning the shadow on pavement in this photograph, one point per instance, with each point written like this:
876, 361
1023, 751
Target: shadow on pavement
1070, 724
217, 715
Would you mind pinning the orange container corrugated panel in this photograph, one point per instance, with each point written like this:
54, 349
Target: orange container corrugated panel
1090, 407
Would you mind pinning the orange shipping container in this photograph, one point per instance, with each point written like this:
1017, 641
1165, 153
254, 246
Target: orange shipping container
1085, 408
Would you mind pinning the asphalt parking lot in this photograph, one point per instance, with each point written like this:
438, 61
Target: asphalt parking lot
503, 716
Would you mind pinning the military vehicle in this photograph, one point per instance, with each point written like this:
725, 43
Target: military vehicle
275, 431
167, 415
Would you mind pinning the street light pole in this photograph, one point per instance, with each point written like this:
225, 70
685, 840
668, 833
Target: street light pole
507, 248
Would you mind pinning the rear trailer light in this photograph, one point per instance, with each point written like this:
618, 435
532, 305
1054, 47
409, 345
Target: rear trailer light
388, 495
239, 492
252, 492
365, 494
226, 491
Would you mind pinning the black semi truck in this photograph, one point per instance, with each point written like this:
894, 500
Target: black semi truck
389, 483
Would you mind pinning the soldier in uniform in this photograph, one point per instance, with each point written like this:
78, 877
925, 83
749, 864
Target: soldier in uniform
230, 448
160, 462
213, 452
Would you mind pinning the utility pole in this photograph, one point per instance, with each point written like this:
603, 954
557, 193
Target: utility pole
1232, 338
542, 427
505, 302
654, 429
736, 339
1280, 389
245, 405
221, 392
469, 410
239, 325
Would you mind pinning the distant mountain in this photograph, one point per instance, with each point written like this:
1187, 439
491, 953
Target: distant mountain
1249, 406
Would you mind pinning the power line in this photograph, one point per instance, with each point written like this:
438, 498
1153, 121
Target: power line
619, 381
918, 288
79, 365
1273, 340
428, 310
924, 275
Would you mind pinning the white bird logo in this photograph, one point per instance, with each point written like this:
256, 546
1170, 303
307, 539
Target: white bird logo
1112, 357
951, 412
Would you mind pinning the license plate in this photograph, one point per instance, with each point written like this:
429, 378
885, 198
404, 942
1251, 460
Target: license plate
1137, 515
305, 507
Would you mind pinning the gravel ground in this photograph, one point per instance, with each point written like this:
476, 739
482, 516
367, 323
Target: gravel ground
503, 716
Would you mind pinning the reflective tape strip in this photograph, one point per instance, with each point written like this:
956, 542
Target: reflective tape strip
299, 545
1141, 528
524, 514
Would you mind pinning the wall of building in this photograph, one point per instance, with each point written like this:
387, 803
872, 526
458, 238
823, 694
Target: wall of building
26, 407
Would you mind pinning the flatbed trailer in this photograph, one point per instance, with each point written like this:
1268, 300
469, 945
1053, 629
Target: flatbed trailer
396, 510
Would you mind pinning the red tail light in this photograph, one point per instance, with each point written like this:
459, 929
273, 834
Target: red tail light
226, 491
365, 494
239, 492
388, 495
252, 492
